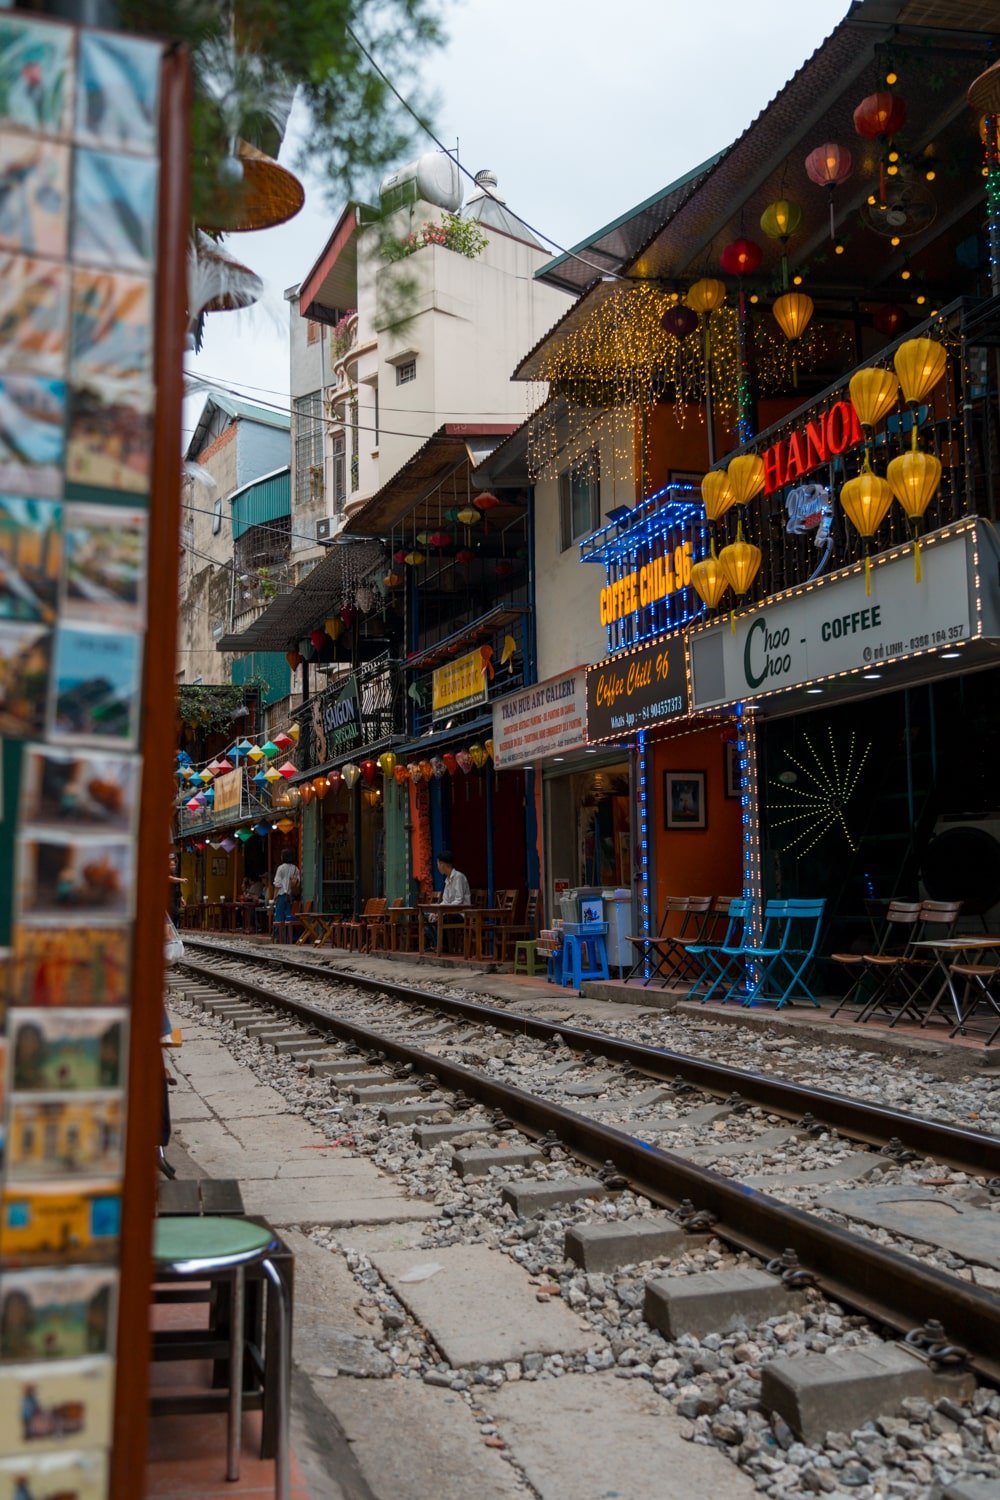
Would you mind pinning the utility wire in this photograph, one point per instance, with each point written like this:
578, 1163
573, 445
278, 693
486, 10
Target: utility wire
235, 386
602, 271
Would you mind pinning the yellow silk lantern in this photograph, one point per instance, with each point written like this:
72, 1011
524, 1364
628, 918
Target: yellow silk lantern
488, 747
333, 627
873, 395
780, 219
271, 774
717, 494
746, 477
479, 756
392, 580
920, 364
706, 295
913, 478
740, 563
294, 731
387, 763
415, 559
469, 516
255, 754
865, 501
709, 581
205, 776
793, 311
285, 824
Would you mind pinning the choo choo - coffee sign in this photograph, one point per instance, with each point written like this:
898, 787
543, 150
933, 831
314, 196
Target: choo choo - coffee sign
837, 627
637, 690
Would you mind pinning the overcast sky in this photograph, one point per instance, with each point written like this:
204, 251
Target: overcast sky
583, 108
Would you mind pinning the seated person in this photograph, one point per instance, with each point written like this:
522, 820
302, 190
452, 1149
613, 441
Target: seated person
456, 888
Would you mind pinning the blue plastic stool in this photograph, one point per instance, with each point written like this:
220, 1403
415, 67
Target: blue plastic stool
554, 967
585, 956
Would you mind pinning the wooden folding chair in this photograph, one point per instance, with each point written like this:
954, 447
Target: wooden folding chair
667, 953
898, 929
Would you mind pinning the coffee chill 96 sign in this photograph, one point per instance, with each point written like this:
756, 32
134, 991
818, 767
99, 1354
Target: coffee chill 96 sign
637, 690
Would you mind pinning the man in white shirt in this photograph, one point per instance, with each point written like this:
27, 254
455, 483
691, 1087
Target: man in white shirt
456, 888
286, 884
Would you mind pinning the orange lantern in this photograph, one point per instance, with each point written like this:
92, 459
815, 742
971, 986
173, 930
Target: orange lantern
321, 786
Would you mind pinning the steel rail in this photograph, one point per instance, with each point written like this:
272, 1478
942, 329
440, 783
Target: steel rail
891, 1288
860, 1119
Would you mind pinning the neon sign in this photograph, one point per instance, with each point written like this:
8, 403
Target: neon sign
809, 447
646, 585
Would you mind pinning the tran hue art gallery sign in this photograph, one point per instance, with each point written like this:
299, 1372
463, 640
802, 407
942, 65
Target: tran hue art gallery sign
547, 719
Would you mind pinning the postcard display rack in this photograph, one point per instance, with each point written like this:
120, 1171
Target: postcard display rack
83, 197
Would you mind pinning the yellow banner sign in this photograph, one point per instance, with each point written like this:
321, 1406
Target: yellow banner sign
227, 791
460, 683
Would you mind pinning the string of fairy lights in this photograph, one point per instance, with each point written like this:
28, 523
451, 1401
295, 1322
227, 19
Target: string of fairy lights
622, 357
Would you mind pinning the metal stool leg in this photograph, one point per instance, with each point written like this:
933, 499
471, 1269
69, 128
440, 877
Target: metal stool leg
284, 1330
235, 1428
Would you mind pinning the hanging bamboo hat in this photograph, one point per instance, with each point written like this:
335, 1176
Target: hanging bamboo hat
217, 281
266, 195
984, 92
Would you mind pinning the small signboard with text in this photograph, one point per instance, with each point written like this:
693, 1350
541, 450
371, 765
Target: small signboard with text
459, 684
637, 690
336, 722
549, 718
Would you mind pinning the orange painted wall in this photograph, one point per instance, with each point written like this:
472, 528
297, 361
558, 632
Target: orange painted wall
695, 862
676, 445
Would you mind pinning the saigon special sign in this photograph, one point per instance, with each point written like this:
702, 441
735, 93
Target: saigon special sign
637, 691
336, 722
837, 628
458, 684
547, 719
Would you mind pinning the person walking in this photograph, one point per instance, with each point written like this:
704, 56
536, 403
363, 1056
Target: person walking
286, 885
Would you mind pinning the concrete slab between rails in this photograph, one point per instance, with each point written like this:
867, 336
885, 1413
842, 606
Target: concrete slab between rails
480, 1162
765, 1140
479, 1307
715, 1302
530, 1196
627, 1242
972, 1489
429, 1136
695, 1119
858, 1166
925, 1216
334, 1067
585, 1437
436, 1448
414, 1114
844, 1388
345, 1082
386, 1093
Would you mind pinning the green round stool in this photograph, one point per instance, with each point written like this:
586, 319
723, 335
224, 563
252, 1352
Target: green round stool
193, 1247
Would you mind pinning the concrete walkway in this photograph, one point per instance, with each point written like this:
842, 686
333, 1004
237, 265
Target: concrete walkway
364, 1432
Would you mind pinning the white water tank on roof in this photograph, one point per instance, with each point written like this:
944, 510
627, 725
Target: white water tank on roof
433, 177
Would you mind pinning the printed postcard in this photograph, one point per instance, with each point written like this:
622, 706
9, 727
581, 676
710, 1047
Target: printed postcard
64, 1314
66, 1051
34, 314
31, 552
54, 1476
65, 1404
36, 74
69, 966
96, 685
34, 195
65, 1136
105, 550
42, 1224
85, 790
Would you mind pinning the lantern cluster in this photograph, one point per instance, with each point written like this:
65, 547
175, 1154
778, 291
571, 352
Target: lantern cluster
738, 564
913, 477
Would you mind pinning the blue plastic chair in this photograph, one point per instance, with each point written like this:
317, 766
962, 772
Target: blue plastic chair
717, 960
585, 956
784, 966
746, 964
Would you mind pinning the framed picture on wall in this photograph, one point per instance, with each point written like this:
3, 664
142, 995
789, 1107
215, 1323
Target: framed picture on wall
220, 865
684, 799
731, 769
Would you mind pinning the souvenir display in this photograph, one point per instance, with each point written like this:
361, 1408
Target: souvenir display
79, 187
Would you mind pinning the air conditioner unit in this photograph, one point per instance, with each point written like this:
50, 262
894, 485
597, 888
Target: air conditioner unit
324, 528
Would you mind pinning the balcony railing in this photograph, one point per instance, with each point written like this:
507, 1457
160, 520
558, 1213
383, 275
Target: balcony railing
507, 677
251, 808
958, 422
382, 715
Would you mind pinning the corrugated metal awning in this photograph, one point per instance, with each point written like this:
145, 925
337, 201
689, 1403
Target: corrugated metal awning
444, 452
267, 499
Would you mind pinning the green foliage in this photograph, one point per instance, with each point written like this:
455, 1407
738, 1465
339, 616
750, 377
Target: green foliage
464, 236
209, 708
252, 55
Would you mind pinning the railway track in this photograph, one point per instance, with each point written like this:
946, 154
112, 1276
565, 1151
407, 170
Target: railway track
894, 1289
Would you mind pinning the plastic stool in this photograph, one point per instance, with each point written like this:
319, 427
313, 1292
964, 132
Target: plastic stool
201, 1247
554, 967
584, 957
526, 953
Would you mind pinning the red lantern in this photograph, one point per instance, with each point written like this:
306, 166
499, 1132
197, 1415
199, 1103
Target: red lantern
829, 166
680, 320
486, 501
399, 557
465, 556
504, 568
283, 741
880, 115
224, 766
741, 258
401, 775
368, 770
293, 659
348, 615
287, 770
318, 638
426, 770
440, 538
451, 762
889, 320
